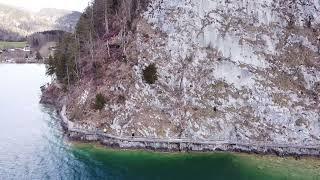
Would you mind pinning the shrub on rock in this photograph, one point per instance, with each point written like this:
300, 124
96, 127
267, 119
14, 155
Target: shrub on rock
150, 74
100, 102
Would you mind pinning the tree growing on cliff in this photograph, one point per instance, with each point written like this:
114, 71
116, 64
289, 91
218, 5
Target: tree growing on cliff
84, 31
38, 56
63, 64
150, 74
50, 66
100, 102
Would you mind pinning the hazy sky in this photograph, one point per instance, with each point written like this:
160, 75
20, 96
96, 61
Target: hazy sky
36, 5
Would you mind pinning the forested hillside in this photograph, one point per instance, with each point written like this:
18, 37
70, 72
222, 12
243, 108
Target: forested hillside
38, 39
100, 36
6, 35
17, 23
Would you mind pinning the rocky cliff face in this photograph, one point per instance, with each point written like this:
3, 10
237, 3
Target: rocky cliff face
241, 71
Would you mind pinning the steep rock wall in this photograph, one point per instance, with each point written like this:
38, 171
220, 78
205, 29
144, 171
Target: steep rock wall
241, 71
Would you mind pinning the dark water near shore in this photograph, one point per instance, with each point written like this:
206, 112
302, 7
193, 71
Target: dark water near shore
33, 147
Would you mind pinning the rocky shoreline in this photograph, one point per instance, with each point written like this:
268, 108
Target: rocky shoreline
77, 133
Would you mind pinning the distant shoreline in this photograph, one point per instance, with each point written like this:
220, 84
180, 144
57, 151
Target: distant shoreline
3, 62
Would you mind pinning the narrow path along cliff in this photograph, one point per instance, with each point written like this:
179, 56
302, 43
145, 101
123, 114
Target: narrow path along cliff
79, 133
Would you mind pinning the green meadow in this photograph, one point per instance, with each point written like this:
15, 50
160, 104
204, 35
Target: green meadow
8, 45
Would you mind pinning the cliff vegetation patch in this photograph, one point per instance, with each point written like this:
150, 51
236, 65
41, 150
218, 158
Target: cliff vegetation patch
150, 74
100, 102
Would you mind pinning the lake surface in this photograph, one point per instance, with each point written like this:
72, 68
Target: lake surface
32, 146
